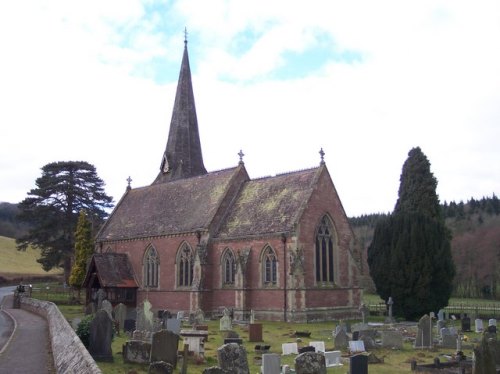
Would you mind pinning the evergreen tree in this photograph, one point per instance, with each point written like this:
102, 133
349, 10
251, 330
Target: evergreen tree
410, 255
51, 209
84, 248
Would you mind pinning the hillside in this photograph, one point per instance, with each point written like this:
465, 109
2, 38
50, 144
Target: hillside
475, 246
16, 265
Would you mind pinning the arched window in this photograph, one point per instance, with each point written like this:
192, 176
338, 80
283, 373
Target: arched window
185, 266
269, 266
228, 267
324, 251
150, 270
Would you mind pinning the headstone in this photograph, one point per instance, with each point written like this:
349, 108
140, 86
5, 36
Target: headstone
319, 346
164, 347
252, 316
160, 367
310, 363
120, 315
355, 335
440, 324
271, 363
449, 341
174, 325
484, 356
144, 320
255, 332
129, 325
101, 331
199, 317
441, 315
225, 323
233, 357
332, 359
101, 295
135, 351
364, 313
341, 340
289, 348
196, 344
180, 315
368, 341
392, 339
424, 333
358, 364
492, 322
465, 324
356, 346
479, 325
285, 369
108, 308
390, 318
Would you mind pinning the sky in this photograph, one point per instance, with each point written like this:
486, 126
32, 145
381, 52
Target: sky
366, 81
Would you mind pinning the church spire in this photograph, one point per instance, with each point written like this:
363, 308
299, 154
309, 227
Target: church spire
182, 157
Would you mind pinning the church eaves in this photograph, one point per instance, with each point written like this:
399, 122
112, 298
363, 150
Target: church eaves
182, 157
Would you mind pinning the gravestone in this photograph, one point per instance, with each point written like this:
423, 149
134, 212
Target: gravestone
492, 322
160, 367
368, 341
101, 331
289, 348
255, 332
358, 364
356, 346
424, 333
479, 325
465, 324
310, 363
108, 308
392, 339
174, 325
225, 323
440, 324
196, 344
144, 319
101, 295
441, 315
364, 313
129, 325
199, 317
390, 318
319, 346
180, 315
135, 351
233, 358
355, 335
120, 315
164, 347
341, 340
271, 363
332, 359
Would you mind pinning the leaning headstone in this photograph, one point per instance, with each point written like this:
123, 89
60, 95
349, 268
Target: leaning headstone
479, 325
160, 367
392, 339
233, 358
164, 347
120, 315
341, 340
358, 364
424, 333
101, 331
271, 363
135, 351
310, 363
174, 325
108, 308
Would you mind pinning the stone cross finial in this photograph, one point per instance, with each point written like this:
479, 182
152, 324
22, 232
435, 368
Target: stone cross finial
322, 154
129, 180
241, 154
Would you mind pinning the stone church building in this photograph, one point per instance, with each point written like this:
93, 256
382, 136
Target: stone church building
279, 246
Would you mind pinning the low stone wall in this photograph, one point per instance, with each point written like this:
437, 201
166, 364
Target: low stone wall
70, 355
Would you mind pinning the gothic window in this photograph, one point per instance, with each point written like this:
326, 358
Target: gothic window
151, 262
324, 251
269, 267
185, 266
228, 267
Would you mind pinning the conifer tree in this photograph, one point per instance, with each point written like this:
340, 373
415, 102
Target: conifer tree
84, 248
410, 255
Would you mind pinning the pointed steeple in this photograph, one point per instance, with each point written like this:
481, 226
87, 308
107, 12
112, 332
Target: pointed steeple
182, 157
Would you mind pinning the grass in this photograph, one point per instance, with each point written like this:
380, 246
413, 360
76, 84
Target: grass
20, 264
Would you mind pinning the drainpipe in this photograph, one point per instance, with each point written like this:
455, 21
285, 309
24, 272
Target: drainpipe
283, 240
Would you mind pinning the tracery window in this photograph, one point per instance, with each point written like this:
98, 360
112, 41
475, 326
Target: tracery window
269, 266
324, 251
150, 270
185, 266
228, 267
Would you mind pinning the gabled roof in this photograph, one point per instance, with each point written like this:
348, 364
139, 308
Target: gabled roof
270, 205
112, 270
180, 206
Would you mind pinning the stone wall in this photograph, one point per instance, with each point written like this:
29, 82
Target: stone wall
70, 355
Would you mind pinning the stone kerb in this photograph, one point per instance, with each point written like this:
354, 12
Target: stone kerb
69, 353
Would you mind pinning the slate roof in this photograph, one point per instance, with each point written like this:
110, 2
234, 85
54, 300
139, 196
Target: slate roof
180, 206
270, 205
113, 270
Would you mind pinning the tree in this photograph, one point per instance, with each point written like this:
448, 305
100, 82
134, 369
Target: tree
84, 248
64, 189
410, 255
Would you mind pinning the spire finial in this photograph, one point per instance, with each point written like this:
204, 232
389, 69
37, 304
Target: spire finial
322, 155
241, 154
129, 180
185, 36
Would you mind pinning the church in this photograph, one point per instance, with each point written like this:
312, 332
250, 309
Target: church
278, 247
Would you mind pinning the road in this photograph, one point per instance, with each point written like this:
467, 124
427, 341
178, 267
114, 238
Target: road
6, 324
